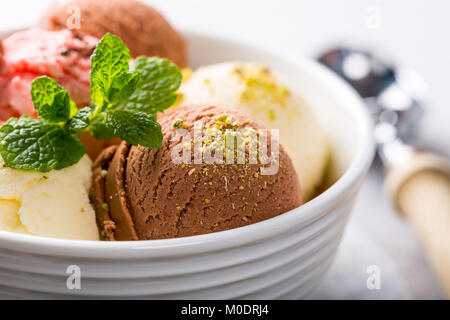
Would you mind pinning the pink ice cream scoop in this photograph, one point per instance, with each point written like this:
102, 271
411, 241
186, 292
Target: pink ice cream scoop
28, 54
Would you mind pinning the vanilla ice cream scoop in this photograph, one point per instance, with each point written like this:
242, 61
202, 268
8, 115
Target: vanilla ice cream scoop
257, 92
54, 204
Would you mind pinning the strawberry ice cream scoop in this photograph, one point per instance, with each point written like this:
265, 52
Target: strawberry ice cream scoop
36, 52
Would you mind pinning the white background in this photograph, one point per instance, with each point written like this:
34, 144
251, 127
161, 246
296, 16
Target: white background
416, 33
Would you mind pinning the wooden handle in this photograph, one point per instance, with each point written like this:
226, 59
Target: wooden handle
421, 191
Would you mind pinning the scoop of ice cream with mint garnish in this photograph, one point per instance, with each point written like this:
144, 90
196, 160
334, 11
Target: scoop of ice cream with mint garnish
145, 193
61, 55
254, 90
124, 104
43, 162
32, 53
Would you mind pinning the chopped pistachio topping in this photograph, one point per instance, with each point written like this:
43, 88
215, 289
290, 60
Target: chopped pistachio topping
222, 117
261, 88
105, 206
178, 124
226, 183
271, 114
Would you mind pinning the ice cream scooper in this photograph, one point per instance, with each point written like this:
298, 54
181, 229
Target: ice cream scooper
418, 182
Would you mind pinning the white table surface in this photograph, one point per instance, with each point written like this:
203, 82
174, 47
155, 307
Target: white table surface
414, 32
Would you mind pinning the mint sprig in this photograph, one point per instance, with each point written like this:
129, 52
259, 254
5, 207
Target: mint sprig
124, 105
80, 121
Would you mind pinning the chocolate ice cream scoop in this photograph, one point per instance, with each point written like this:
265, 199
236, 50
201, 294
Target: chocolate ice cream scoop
143, 29
142, 193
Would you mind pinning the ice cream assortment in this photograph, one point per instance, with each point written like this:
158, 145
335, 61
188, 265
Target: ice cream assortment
102, 138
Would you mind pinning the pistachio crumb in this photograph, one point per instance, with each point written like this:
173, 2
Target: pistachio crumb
226, 183
271, 114
178, 124
222, 117
105, 206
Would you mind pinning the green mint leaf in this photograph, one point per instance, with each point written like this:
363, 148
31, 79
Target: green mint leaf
73, 109
135, 127
79, 122
31, 144
111, 81
99, 129
122, 87
51, 100
155, 92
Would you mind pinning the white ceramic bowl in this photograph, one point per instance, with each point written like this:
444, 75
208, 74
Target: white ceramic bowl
283, 257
